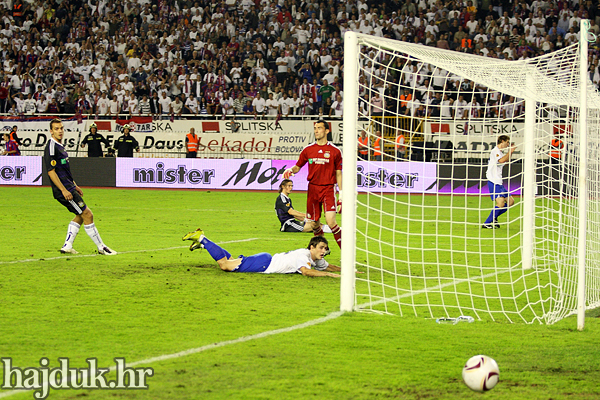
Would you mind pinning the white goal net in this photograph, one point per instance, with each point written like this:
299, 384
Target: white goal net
420, 226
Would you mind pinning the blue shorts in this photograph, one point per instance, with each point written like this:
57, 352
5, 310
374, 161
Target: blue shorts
497, 190
256, 263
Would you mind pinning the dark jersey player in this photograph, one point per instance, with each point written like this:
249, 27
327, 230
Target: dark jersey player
94, 142
67, 193
324, 172
291, 220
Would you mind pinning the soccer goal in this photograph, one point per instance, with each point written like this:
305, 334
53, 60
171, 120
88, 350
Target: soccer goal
415, 210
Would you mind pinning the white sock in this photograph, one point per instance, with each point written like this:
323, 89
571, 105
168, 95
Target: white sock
72, 231
94, 235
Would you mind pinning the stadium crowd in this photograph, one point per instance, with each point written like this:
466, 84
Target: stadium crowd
169, 58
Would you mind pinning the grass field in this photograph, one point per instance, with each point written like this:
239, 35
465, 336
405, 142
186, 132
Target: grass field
250, 336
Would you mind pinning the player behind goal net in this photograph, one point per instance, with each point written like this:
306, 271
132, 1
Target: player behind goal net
469, 192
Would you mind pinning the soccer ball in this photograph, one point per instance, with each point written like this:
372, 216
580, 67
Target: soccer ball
481, 373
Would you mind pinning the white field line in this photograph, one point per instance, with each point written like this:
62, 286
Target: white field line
120, 252
211, 346
188, 352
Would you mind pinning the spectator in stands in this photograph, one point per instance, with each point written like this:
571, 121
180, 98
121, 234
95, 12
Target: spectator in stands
326, 108
271, 105
104, 51
326, 91
165, 105
377, 104
144, 106
337, 107
155, 108
176, 108
306, 105
285, 106
42, 105
29, 105
259, 105
248, 109
227, 105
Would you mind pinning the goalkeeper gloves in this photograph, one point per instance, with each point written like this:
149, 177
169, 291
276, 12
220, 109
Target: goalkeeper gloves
339, 203
288, 173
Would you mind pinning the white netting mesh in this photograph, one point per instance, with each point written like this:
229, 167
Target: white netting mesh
420, 212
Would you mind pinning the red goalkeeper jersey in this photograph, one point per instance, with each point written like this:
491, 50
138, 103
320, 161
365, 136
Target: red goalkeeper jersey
322, 161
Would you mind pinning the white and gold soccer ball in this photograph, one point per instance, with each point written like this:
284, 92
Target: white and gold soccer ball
481, 373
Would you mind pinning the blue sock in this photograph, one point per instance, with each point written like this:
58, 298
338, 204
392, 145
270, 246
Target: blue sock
215, 251
495, 213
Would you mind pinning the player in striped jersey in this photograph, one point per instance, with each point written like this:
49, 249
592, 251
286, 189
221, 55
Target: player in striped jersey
67, 193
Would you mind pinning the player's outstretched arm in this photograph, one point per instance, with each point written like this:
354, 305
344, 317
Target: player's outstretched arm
311, 272
290, 172
335, 268
296, 214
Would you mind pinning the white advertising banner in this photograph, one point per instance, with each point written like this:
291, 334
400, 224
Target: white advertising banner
218, 138
20, 170
473, 139
34, 134
386, 177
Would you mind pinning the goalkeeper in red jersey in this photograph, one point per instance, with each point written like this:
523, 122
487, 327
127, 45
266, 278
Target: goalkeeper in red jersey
324, 172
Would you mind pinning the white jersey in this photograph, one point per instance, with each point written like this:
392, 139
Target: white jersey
494, 170
292, 261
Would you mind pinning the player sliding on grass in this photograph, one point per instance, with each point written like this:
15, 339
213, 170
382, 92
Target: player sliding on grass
324, 172
498, 192
67, 193
308, 262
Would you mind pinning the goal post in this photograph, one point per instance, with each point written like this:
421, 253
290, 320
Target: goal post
583, 190
349, 179
419, 222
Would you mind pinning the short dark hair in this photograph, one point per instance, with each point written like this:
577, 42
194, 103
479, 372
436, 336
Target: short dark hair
283, 183
315, 240
503, 138
322, 121
55, 121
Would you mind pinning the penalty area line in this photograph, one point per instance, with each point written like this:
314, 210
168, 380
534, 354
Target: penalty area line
120, 252
211, 346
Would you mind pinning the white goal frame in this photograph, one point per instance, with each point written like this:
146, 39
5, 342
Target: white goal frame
352, 40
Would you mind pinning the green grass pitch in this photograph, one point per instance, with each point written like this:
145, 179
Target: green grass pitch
157, 298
